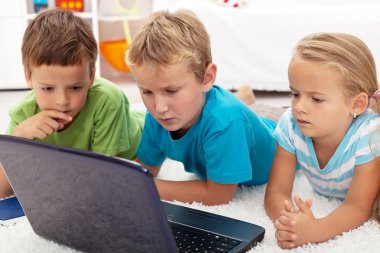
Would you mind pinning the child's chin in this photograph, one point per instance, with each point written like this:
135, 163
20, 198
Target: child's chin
170, 129
308, 134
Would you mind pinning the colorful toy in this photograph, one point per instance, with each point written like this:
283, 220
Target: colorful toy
74, 5
114, 52
39, 5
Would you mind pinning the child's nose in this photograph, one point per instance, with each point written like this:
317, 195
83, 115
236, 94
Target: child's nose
161, 105
301, 106
62, 99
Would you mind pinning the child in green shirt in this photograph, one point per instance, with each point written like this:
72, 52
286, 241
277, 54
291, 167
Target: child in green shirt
67, 105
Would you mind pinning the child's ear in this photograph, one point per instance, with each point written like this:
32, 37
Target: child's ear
28, 78
209, 78
360, 103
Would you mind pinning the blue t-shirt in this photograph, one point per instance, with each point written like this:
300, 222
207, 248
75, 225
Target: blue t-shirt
228, 143
355, 149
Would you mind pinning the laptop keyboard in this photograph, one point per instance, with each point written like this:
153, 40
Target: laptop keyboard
191, 239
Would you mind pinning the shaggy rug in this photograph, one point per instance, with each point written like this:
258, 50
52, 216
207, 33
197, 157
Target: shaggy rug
17, 235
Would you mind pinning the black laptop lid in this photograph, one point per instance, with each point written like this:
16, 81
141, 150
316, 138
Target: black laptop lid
87, 201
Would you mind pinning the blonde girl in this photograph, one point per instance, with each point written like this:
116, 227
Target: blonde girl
327, 132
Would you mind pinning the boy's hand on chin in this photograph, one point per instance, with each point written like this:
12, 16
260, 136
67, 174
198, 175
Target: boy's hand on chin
42, 124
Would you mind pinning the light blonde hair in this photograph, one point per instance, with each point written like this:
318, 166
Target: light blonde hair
58, 37
347, 54
171, 38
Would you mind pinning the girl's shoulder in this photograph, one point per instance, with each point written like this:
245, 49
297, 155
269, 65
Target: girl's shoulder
366, 121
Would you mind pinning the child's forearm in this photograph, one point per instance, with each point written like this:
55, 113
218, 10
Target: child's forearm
19, 133
5, 187
196, 190
346, 217
274, 203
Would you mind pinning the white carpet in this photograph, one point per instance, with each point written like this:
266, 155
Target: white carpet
17, 235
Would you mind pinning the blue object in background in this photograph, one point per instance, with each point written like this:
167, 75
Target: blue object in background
10, 208
40, 4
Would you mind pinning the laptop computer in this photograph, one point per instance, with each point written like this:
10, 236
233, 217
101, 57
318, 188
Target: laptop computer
98, 203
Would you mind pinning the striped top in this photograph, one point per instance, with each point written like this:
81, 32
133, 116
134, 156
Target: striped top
355, 149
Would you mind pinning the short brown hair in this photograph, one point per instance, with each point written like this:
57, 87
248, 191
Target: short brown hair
58, 37
170, 38
345, 53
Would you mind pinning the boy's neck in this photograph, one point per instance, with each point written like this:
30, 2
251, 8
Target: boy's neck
176, 135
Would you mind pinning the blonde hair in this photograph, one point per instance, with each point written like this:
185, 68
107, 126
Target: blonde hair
347, 54
58, 37
171, 38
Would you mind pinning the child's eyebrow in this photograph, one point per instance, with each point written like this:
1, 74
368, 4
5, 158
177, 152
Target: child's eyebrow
172, 86
317, 93
66, 85
77, 84
45, 84
308, 92
141, 87
168, 87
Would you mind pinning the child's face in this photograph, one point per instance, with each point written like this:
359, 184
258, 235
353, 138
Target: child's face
61, 88
173, 94
319, 104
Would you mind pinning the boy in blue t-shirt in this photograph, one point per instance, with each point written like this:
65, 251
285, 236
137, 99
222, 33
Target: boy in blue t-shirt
208, 129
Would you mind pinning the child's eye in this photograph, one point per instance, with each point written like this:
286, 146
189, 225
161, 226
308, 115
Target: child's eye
47, 88
146, 92
172, 91
76, 88
317, 100
295, 95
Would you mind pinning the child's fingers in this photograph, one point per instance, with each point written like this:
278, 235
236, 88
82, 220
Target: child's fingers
302, 206
309, 202
285, 239
288, 206
47, 128
299, 202
284, 223
52, 123
286, 244
40, 134
57, 115
290, 215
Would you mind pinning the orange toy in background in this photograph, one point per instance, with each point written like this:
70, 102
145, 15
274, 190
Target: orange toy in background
74, 5
114, 52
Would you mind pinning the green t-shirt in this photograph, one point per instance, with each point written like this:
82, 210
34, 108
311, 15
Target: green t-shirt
104, 125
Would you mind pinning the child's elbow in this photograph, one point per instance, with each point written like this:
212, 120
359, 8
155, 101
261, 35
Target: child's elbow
226, 199
220, 199
267, 198
217, 201
5, 187
5, 191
